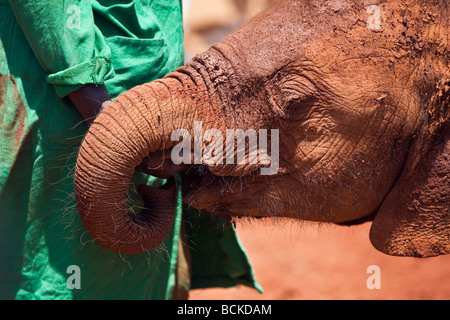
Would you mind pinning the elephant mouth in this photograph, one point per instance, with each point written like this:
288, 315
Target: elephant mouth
223, 195
194, 181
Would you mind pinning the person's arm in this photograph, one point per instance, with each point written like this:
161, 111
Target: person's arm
90, 100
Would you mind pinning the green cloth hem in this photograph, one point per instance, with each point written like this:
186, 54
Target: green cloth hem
175, 240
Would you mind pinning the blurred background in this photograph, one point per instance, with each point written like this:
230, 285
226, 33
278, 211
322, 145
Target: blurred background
208, 21
298, 260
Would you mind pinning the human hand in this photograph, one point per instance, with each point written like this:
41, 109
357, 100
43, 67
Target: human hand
90, 100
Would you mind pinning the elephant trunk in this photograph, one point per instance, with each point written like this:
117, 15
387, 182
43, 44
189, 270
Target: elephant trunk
137, 123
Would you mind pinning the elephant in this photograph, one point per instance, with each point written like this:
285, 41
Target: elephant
358, 94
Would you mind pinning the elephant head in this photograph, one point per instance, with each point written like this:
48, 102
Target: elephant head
358, 96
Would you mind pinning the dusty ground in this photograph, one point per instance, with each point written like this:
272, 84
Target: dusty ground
308, 262
330, 262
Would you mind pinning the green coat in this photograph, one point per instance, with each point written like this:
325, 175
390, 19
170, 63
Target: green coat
47, 50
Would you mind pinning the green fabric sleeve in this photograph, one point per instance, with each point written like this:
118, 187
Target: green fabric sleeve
66, 42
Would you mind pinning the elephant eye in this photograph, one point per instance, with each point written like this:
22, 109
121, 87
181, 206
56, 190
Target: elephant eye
297, 109
299, 95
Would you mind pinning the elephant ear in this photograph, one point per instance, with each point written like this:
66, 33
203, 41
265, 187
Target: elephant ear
414, 219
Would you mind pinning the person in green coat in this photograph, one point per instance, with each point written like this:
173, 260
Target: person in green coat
60, 64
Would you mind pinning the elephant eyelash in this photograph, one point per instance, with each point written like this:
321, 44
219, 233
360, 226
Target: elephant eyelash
297, 109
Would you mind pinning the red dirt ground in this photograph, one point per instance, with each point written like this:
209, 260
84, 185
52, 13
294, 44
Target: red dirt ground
299, 262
